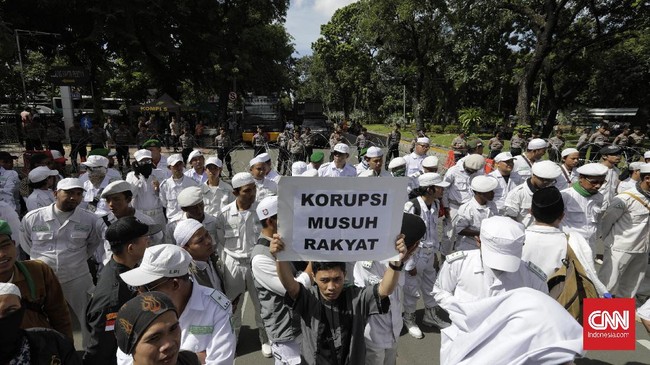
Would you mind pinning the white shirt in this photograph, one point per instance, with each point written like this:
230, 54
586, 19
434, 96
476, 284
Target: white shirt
382, 330
608, 189
566, 178
273, 176
265, 187
503, 187
9, 185
216, 197
523, 166
205, 326
470, 215
63, 247
460, 190
112, 174
238, 231
517, 204
430, 218
145, 197
581, 214
39, 198
93, 192
169, 190
625, 225
8, 214
209, 223
546, 247
329, 169
413, 163
361, 167
200, 179
625, 185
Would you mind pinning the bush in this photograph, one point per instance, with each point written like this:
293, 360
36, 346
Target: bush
438, 129
452, 128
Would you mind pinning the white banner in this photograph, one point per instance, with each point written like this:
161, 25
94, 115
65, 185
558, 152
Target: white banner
340, 218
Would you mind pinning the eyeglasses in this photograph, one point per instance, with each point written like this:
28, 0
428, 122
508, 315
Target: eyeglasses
423, 145
148, 289
596, 181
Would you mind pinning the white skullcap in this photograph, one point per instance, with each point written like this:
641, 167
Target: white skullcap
546, 170
432, 179
422, 140
484, 184
593, 169
474, 162
635, 166
430, 161
264, 157
503, 156
117, 186
537, 144
254, 161
298, 168
190, 197
214, 161
267, 207
310, 173
174, 159
9, 289
645, 168
342, 148
140, 154
193, 154
502, 240
646, 154
242, 178
185, 229
396, 162
568, 151
374, 152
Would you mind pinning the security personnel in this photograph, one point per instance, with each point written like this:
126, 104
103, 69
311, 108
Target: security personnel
610, 156
265, 186
570, 159
339, 166
197, 172
216, 192
171, 187
224, 144
190, 200
146, 181
534, 152
414, 159
204, 313
506, 178
517, 204
422, 267
625, 229
122, 137
259, 142
205, 268
516, 143
392, 141
467, 223
128, 239
583, 203
65, 236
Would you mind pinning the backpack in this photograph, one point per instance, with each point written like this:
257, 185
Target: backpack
570, 285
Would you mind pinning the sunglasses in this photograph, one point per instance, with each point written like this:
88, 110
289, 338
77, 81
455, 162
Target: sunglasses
148, 289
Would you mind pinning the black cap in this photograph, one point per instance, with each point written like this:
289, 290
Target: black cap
547, 202
413, 228
610, 150
5, 156
127, 229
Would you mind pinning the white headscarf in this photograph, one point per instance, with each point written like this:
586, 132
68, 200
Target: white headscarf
185, 229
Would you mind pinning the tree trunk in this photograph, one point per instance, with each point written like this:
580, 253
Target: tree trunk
553, 106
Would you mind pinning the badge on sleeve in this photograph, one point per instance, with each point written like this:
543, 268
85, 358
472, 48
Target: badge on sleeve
110, 321
537, 271
456, 256
221, 299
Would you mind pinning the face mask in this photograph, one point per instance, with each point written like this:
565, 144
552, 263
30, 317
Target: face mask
11, 335
97, 172
399, 172
145, 170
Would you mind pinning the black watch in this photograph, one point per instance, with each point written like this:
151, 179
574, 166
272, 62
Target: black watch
396, 268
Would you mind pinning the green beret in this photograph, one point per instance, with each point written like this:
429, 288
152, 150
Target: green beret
152, 143
317, 156
99, 152
4, 228
363, 152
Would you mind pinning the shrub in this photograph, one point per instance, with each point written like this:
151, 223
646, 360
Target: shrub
452, 128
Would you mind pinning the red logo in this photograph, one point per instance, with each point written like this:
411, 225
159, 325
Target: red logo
608, 324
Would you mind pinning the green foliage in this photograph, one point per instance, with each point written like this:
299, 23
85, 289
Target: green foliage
470, 119
453, 128
437, 129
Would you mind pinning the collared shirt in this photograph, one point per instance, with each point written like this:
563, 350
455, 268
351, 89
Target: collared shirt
625, 225
503, 187
523, 166
9, 183
92, 196
265, 187
608, 189
566, 178
517, 204
625, 185
145, 197
39, 198
273, 176
582, 214
216, 197
238, 231
470, 215
413, 163
64, 247
200, 179
545, 246
7, 213
329, 169
111, 173
169, 190
104, 253
460, 190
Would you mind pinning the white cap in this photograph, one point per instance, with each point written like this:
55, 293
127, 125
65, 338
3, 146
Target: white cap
645, 168
214, 161
502, 240
174, 159
430, 161
503, 156
267, 207
141, 154
193, 154
117, 186
568, 151
646, 154
185, 229
593, 169
159, 261
41, 173
264, 157
298, 168
96, 161
9, 289
474, 161
342, 148
70, 183
546, 170
432, 179
423, 140
254, 161
190, 196
310, 173
374, 152
635, 166
536, 144
240, 179
484, 184
396, 162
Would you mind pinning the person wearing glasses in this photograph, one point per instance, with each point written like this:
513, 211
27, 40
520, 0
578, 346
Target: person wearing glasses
583, 203
415, 158
519, 199
339, 166
128, 239
204, 314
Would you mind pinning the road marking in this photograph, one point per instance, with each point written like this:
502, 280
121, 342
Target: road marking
644, 343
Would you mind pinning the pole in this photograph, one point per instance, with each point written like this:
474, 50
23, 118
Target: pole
539, 96
20, 63
404, 103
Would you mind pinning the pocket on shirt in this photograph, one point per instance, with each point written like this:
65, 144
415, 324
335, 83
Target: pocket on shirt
78, 241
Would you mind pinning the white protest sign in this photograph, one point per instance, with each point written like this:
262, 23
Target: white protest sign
340, 218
